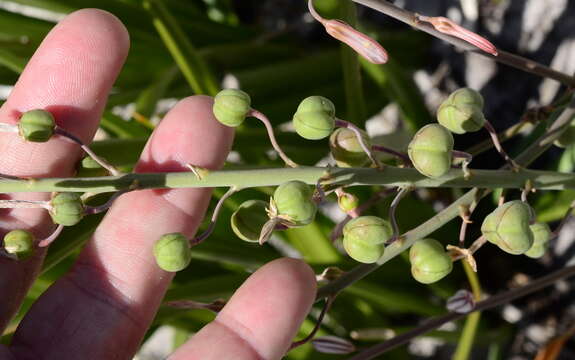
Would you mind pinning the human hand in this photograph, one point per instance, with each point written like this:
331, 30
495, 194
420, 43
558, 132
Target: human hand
102, 308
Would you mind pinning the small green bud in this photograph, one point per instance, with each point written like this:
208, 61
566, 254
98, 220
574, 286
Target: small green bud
567, 137
541, 236
364, 238
88, 167
462, 111
36, 125
347, 202
231, 107
429, 262
67, 208
19, 243
346, 149
293, 200
508, 227
249, 219
430, 150
314, 118
172, 252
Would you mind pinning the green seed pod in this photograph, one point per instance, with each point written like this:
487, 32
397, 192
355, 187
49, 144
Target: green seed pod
346, 149
67, 208
429, 262
248, 220
293, 199
36, 125
508, 227
462, 111
541, 236
364, 238
567, 138
172, 252
314, 118
347, 202
19, 243
231, 107
88, 167
430, 150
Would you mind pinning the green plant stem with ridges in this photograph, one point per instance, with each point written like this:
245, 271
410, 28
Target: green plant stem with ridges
465, 343
185, 55
351, 70
390, 176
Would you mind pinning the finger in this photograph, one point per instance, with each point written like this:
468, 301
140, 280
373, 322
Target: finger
262, 317
70, 75
103, 307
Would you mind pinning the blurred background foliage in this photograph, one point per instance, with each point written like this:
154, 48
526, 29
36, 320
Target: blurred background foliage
276, 53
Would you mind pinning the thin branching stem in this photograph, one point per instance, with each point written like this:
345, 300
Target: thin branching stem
503, 57
198, 239
358, 135
326, 307
493, 134
260, 116
494, 301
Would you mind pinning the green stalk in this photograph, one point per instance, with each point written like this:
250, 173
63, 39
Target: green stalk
185, 55
391, 176
467, 337
351, 70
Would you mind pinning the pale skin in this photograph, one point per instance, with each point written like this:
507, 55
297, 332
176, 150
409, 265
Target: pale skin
102, 308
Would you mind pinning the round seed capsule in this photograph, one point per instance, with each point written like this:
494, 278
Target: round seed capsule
293, 200
430, 150
347, 202
541, 236
429, 262
346, 149
508, 227
248, 220
314, 118
19, 243
364, 238
462, 111
231, 107
172, 252
67, 208
36, 125
567, 138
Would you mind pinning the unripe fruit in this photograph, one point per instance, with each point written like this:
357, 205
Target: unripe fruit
541, 236
19, 243
231, 107
462, 111
364, 238
314, 118
67, 208
88, 167
36, 125
508, 227
430, 150
346, 149
293, 199
347, 202
172, 252
429, 262
248, 220
567, 137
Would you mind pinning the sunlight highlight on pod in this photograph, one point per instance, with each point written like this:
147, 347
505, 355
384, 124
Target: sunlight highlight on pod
365, 46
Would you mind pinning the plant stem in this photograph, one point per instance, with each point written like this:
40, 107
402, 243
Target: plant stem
351, 70
261, 117
465, 343
493, 134
503, 57
489, 303
392, 208
249, 178
366, 149
390, 151
326, 307
203, 236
